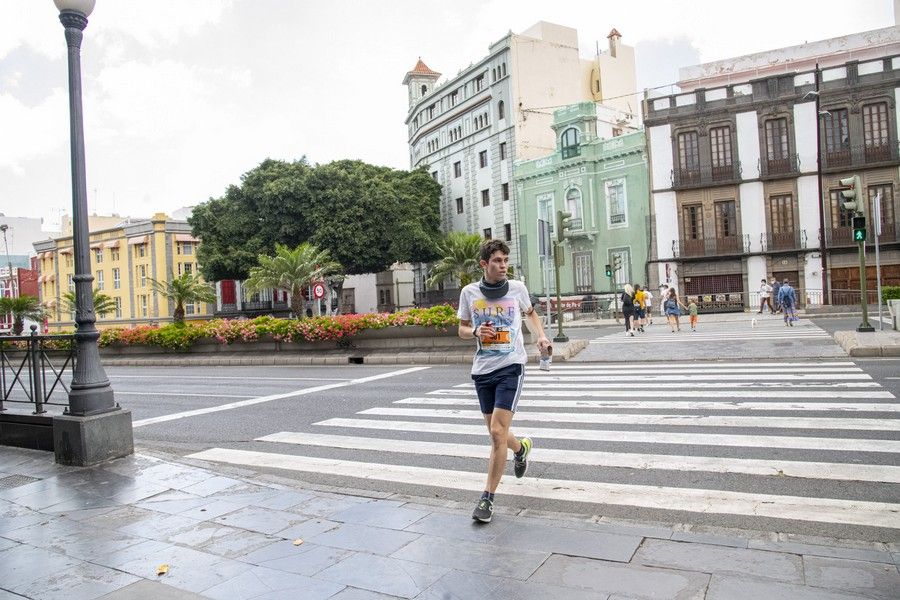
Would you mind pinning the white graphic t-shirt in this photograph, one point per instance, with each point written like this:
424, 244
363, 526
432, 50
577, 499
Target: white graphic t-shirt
506, 347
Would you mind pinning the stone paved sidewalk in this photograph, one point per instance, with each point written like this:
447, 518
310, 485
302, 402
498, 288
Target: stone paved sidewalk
104, 532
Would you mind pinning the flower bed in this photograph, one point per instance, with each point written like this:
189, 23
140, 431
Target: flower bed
339, 329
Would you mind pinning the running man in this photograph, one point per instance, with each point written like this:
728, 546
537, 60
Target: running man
490, 311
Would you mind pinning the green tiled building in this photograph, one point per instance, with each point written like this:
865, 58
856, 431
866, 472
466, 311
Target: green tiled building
598, 173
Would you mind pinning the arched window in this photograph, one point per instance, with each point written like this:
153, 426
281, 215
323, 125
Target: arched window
501, 110
424, 89
569, 142
573, 205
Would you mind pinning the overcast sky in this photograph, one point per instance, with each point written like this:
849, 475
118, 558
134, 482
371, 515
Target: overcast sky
183, 96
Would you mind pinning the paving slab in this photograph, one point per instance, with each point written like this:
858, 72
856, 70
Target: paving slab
450, 525
720, 559
260, 582
20, 566
364, 538
307, 529
735, 587
629, 581
150, 590
261, 520
84, 580
188, 569
460, 584
876, 580
573, 542
515, 563
380, 513
307, 559
826, 551
352, 593
384, 575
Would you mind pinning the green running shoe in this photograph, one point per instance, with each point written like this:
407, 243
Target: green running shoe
520, 463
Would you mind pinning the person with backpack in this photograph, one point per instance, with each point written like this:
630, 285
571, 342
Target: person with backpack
628, 309
787, 297
673, 307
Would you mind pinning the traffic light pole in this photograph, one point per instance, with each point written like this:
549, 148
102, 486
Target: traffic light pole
864, 301
560, 336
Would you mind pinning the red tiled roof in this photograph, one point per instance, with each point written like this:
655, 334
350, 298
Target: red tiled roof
422, 69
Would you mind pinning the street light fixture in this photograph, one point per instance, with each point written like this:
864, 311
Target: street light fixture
12, 286
93, 428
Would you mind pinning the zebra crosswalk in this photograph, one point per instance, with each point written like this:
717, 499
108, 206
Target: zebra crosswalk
798, 441
768, 329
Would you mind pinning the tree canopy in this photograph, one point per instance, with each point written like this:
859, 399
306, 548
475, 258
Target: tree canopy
187, 288
366, 216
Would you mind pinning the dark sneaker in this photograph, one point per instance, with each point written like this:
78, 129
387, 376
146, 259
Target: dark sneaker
520, 463
484, 511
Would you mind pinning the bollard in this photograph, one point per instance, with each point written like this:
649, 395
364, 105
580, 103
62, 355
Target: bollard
34, 354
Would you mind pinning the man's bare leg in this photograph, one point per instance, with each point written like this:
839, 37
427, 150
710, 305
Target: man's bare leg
501, 438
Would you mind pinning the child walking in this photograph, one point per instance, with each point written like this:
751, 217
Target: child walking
692, 309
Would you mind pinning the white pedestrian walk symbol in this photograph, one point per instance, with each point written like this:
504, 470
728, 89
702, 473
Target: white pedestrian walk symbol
749, 439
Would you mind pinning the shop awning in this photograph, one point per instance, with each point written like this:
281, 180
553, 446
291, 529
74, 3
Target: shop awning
65, 250
141, 239
186, 237
96, 245
112, 244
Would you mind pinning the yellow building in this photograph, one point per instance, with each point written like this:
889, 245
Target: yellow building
124, 259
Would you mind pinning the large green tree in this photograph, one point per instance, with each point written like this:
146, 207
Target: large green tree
21, 307
366, 216
292, 270
187, 288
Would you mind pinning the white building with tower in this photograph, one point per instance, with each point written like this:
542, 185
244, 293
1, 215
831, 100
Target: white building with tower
470, 128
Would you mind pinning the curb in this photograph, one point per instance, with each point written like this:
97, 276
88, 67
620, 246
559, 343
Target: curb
888, 346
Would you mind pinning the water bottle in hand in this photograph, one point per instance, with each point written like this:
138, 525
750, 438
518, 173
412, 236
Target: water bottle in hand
546, 358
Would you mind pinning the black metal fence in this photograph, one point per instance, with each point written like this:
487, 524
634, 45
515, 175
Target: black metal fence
32, 369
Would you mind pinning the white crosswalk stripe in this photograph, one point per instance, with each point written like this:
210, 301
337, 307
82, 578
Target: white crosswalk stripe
684, 426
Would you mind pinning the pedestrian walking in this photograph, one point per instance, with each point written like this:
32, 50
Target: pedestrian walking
765, 293
491, 311
775, 287
673, 307
788, 299
663, 295
648, 306
628, 309
692, 310
639, 307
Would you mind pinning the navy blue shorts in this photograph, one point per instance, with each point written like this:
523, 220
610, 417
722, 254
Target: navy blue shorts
500, 388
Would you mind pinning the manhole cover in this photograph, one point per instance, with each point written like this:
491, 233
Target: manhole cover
11, 481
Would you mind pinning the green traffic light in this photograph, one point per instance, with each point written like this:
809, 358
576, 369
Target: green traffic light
859, 235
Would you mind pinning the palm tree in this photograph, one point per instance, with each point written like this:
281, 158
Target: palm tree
103, 304
23, 307
184, 289
460, 259
292, 270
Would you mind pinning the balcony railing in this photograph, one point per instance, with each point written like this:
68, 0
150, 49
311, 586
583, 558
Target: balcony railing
704, 175
789, 240
858, 156
843, 236
779, 167
717, 246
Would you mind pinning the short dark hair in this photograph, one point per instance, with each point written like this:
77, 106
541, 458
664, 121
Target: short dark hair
490, 246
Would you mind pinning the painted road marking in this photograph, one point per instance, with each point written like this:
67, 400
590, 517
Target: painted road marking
678, 405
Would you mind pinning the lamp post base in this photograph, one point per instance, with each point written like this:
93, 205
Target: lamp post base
865, 328
91, 440
561, 338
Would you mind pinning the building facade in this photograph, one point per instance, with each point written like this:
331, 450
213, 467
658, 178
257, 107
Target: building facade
735, 170
600, 177
472, 127
124, 259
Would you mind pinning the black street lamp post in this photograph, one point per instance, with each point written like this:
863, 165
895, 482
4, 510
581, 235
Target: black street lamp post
94, 428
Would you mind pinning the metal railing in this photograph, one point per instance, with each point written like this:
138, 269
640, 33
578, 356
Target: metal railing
860, 155
703, 175
777, 167
32, 369
788, 240
717, 246
843, 236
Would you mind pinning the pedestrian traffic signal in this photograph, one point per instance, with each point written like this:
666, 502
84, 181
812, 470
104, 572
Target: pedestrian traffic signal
563, 224
851, 194
609, 270
859, 229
